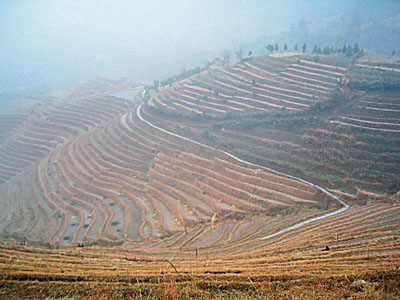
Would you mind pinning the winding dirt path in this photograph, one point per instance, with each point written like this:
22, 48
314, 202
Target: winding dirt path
339, 211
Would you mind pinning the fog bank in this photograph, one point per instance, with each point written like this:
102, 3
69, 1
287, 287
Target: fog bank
57, 43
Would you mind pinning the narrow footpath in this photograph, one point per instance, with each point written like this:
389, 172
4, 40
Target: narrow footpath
339, 211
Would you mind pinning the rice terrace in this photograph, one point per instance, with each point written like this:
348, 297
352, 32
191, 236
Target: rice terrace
272, 176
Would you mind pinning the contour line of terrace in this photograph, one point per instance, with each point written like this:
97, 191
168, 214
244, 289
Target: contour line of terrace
312, 220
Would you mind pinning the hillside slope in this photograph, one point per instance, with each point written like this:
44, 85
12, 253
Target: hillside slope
330, 119
185, 194
89, 170
92, 169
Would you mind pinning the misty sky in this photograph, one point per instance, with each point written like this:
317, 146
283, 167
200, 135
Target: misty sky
57, 43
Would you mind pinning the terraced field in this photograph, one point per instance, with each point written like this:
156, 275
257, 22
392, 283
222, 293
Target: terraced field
352, 236
211, 182
9, 123
346, 138
121, 181
294, 264
264, 84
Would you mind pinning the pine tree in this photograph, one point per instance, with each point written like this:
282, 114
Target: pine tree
314, 50
326, 51
349, 51
356, 48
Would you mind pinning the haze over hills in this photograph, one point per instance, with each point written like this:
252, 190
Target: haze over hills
55, 45
255, 175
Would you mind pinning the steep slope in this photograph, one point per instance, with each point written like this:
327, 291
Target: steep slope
120, 180
330, 119
262, 84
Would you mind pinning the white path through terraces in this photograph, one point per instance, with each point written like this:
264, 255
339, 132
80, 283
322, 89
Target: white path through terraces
339, 211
